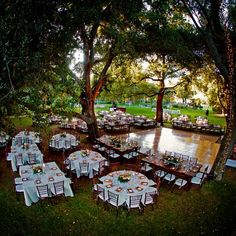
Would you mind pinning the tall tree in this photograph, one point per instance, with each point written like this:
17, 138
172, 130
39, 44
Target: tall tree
101, 36
215, 22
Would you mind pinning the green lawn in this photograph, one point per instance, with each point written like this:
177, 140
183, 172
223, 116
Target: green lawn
208, 211
192, 113
213, 118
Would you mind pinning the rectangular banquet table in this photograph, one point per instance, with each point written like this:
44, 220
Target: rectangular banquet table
51, 174
182, 171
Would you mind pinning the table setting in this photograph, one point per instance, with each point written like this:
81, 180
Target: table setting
85, 156
126, 183
42, 174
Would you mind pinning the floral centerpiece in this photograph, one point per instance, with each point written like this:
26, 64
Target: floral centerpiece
25, 146
63, 135
85, 153
124, 177
115, 141
37, 169
172, 160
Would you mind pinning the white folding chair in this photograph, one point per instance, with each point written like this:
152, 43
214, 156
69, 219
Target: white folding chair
84, 168
43, 191
150, 198
58, 188
135, 203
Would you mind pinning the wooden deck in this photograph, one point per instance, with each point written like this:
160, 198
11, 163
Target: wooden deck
201, 146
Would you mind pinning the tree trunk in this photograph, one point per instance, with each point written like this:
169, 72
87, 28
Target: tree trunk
88, 115
227, 143
159, 109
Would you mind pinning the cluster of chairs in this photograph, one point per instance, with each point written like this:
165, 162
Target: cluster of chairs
31, 159
119, 128
18, 140
59, 145
210, 129
180, 182
114, 156
43, 191
134, 201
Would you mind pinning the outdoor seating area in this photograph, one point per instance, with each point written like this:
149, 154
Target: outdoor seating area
120, 174
122, 166
126, 189
201, 125
63, 142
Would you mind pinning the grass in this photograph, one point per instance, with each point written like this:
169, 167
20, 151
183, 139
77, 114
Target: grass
213, 118
192, 113
208, 211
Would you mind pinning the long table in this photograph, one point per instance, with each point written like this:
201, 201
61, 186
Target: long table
121, 148
183, 171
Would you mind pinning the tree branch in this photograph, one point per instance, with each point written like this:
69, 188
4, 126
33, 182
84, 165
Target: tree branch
103, 76
191, 16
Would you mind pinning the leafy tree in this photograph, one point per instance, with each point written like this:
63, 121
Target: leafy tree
34, 45
102, 34
214, 21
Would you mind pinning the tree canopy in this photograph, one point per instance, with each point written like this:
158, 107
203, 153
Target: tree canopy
38, 38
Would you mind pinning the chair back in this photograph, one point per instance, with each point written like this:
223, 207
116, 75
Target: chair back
150, 197
84, 167
31, 158
130, 155
18, 140
177, 155
148, 152
19, 159
135, 201
73, 142
113, 198
67, 144
193, 160
101, 191
101, 166
168, 153
205, 172
185, 157
42, 191
58, 187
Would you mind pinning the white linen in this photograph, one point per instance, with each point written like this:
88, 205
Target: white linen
93, 159
62, 141
26, 137
138, 184
51, 173
31, 149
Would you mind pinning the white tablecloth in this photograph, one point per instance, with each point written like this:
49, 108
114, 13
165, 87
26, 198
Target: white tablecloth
26, 137
59, 141
50, 175
138, 184
93, 158
15, 150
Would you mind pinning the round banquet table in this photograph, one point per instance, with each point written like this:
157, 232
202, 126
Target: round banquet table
62, 141
138, 184
85, 156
